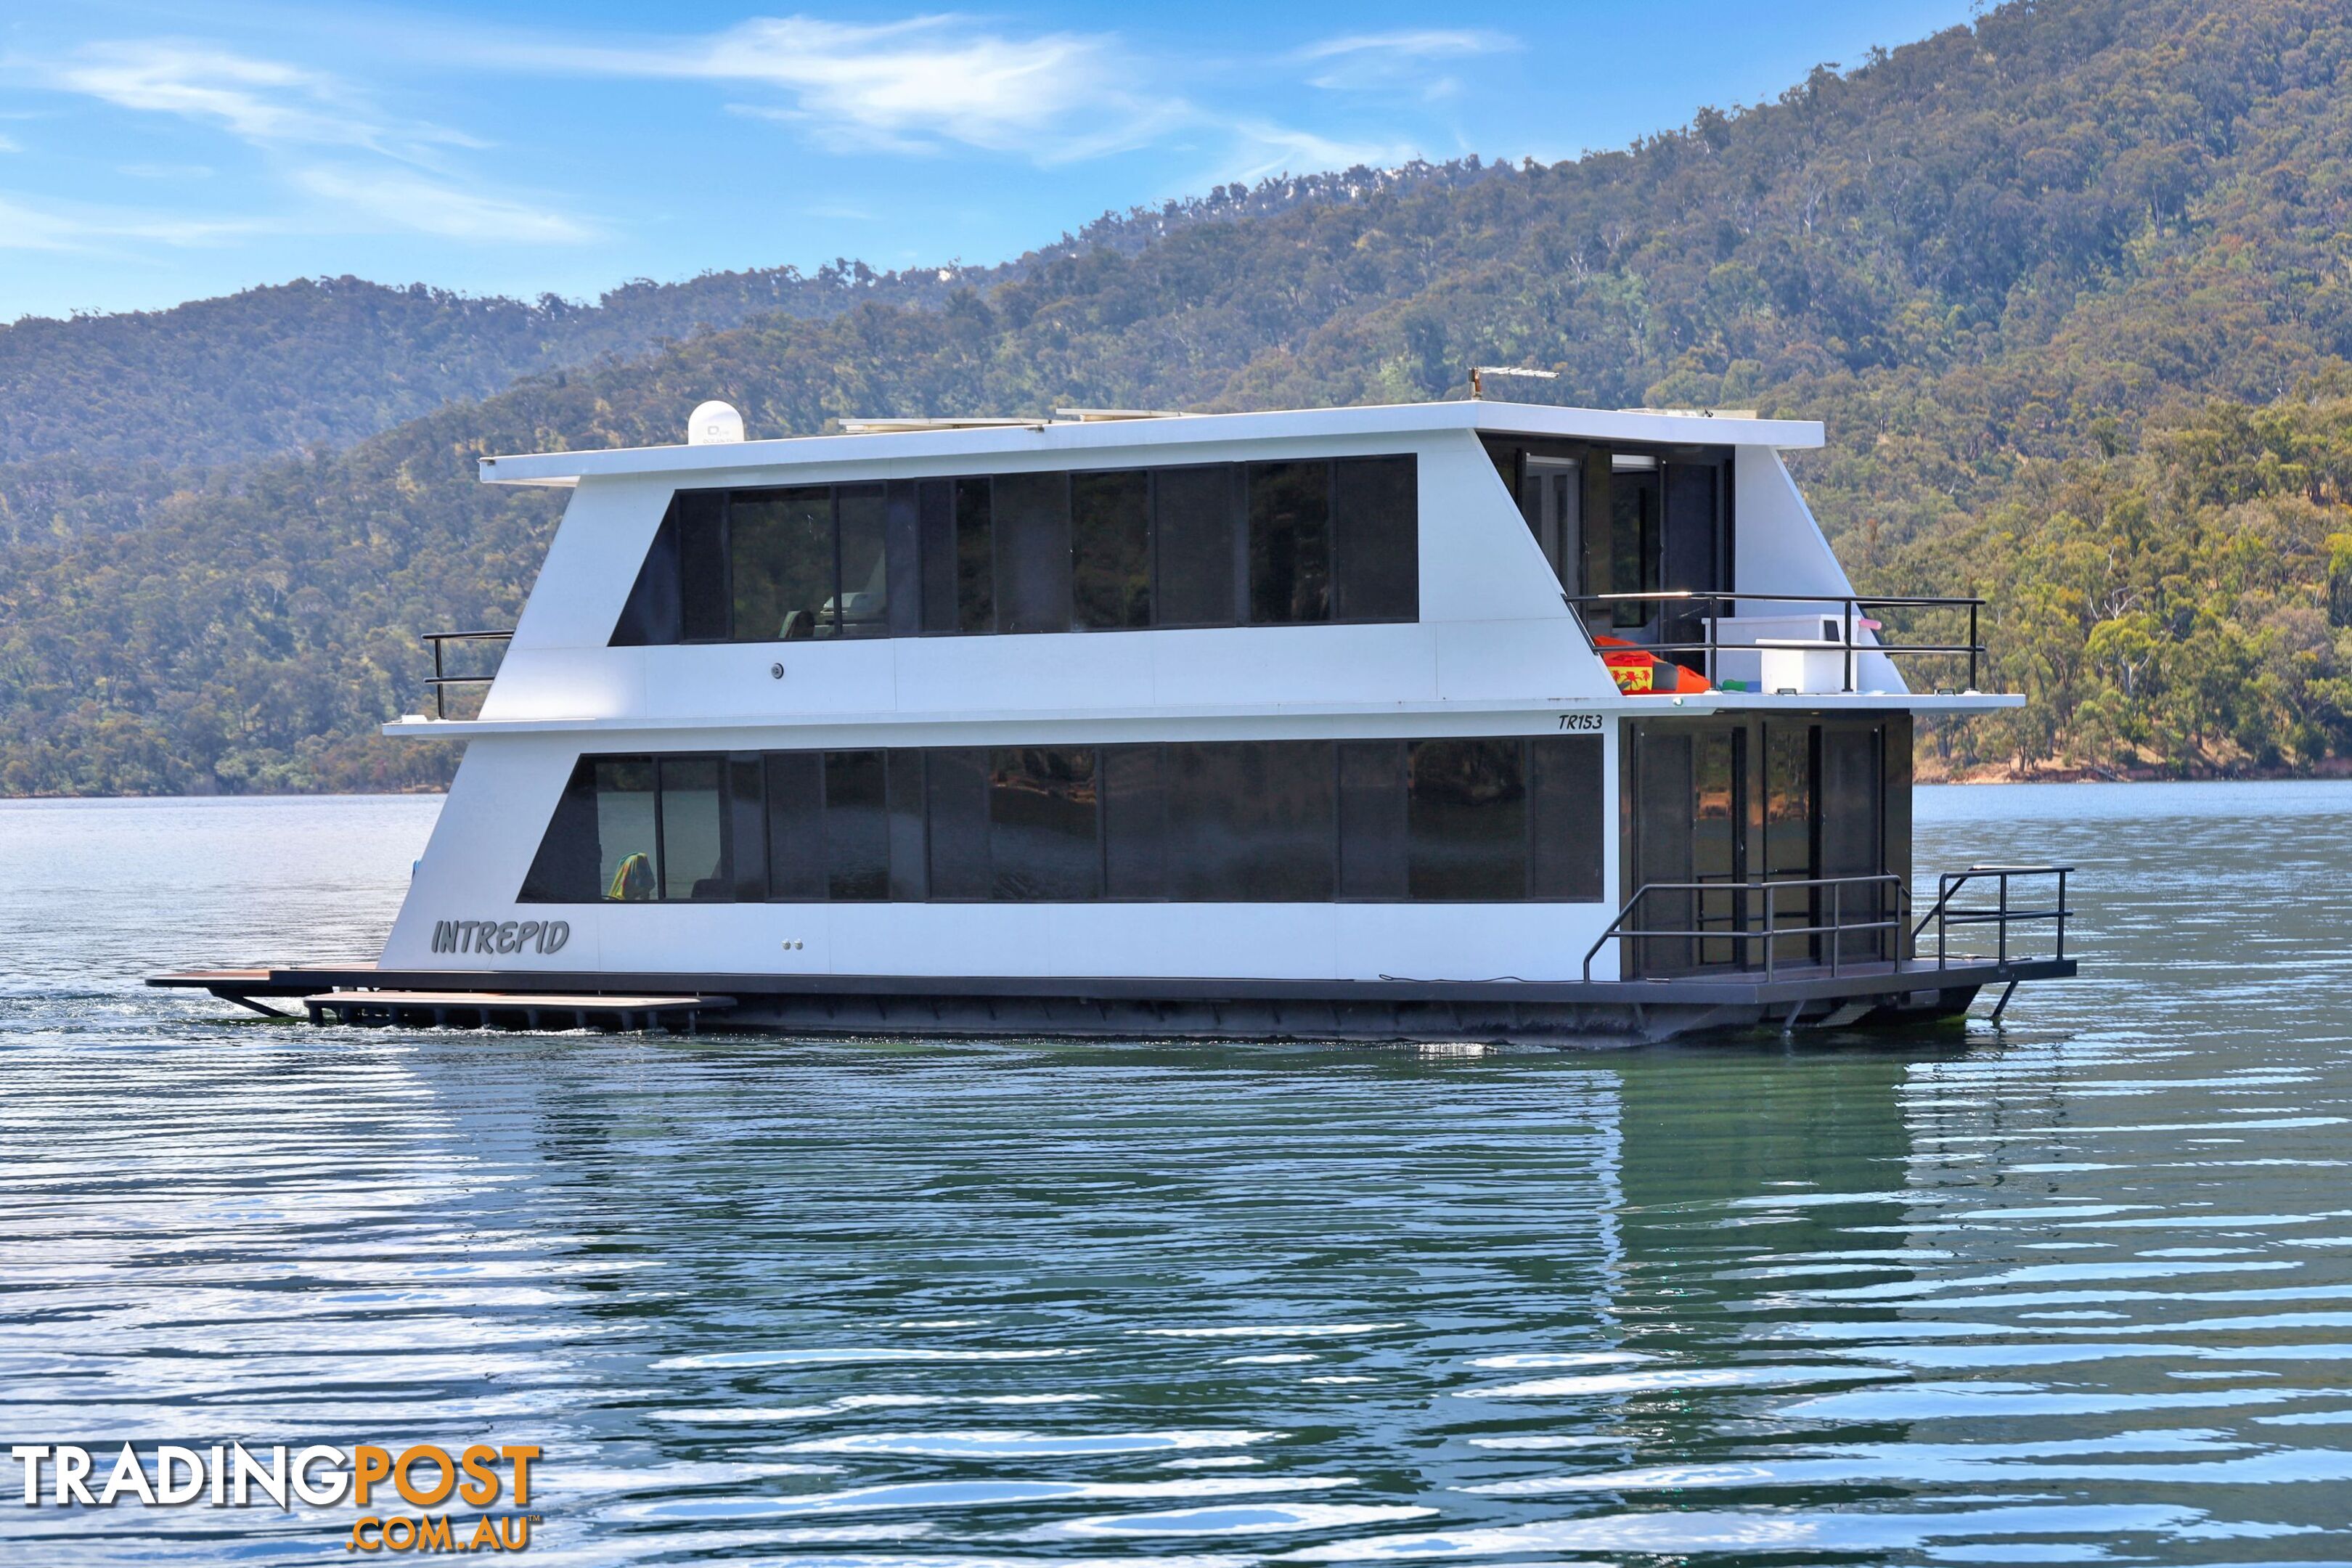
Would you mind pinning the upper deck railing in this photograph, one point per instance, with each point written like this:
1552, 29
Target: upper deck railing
442, 679
1842, 615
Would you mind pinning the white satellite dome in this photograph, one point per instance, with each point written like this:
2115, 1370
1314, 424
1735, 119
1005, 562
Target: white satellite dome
713, 424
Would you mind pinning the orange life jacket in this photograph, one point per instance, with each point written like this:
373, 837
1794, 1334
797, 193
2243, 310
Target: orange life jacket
1639, 672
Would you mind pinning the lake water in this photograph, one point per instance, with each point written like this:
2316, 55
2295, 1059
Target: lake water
2079, 1290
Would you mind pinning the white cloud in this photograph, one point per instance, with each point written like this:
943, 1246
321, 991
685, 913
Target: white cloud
907, 87
402, 199
92, 229
257, 101
1367, 61
1268, 148
10, 145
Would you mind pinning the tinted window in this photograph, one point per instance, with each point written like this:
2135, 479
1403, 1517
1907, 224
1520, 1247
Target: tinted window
975, 556
782, 549
1466, 819
856, 827
1032, 553
747, 827
796, 826
1375, 540
1371, 819
651, 614
1289, 542
865, 602
956, 788
903, 543
1193, 535
564, 870
1564, 790
702, 566
1250, 821
1111, 550
626, 847
1040, 824
936, 515
1135, 823
693, 834
908, 853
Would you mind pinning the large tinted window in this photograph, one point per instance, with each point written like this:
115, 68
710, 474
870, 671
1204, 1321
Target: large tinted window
1289, 542
1250, 821
693, 831
1196, 526
1375, 540
1111, 550
1281, 543
1466, 819
1042, 833
781, 547
1469, 819
856, 826
1032, 553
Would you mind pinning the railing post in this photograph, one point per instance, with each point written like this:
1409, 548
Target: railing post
1771, 945
2000, 927
1848, 656
1837, 923
1975, 642
2062, 915
440, 692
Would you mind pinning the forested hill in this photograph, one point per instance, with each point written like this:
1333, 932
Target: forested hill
2072, 289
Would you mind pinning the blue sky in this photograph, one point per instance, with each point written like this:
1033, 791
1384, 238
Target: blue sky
156, 153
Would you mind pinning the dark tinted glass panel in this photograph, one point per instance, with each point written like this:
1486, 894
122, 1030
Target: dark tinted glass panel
796, 826
856, 826
1664, 794
693, 831
564, 870
650, 618
1032, 553
1371, 819
975, 557
626, 845
1634, 541
908, 853
1041, 823
1289, 542
702, 566
1564, 795
1111, 550
956, 785
1466, 819
1719, 758
747, 827
903, 543
1375, 540
1789, 831
863, 512
935, 508
1250, 821
1193, 513
1135, 823
782, 556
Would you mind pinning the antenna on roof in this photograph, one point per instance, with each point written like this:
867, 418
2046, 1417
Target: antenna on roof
713, 424
1478, 390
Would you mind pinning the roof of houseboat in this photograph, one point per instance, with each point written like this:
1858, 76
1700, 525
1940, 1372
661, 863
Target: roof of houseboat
1081, 430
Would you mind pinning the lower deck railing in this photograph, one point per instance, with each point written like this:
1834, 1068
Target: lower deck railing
1836, 915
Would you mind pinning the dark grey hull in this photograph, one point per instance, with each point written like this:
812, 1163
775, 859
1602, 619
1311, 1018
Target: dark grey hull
1541, 1013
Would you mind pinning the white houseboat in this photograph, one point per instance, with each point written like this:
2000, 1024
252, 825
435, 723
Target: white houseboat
1455, 721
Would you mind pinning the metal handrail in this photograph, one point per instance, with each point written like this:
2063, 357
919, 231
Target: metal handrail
1771, 930
441, 681
1850, 606
1945, 915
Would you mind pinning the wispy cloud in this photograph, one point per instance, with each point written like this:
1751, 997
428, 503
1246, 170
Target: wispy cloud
25, 225
402, 199
1363, 62
10, 145
1268, 148
916, 86
327, 138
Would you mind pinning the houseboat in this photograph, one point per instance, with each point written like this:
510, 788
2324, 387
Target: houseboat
1454, 721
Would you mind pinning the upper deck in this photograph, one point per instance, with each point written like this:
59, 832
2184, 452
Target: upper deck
1307, 567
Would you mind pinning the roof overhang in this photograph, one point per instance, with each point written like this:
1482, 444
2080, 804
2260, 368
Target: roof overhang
1076, 437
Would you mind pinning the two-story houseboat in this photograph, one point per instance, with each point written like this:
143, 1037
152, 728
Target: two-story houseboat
1465, 720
